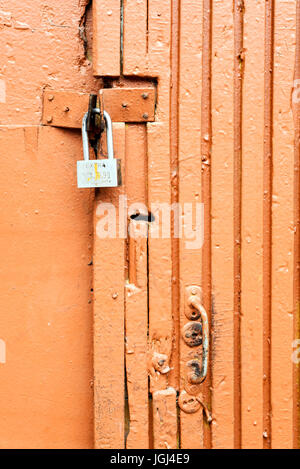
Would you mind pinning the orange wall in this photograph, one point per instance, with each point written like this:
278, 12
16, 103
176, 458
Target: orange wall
46, 389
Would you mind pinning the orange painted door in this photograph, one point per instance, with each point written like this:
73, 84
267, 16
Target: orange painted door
163, 313
222, 159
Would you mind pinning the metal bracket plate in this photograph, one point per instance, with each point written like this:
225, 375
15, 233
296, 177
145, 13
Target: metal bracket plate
66, 108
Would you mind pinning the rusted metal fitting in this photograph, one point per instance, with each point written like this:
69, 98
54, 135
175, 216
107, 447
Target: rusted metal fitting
195, 376
187, 403
192, 334
193, 293
191, 404
192, 389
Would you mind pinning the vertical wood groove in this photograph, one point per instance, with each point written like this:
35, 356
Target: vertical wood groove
282, 324
252, 226
222, 235
237, 119
267, 237
174, 93
296, 378
190, 191
206, 185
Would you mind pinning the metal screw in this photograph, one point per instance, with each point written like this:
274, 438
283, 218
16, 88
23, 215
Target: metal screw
145, 95
49, 119
145, 116
194, 291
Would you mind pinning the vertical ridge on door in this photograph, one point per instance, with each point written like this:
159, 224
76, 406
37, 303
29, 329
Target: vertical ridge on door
222, 170
160, 289
135, 38
106, 37
190, 166
252, 227
109, 276
136, 289
267, 217
206, 138
160, 249
296, 109
283, 227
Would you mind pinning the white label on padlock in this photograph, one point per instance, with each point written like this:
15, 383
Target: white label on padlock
98, 173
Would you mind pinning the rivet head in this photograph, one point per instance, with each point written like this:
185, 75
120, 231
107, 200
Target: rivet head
192, 314
145, 95
190, 388
66, 109
124, 105
192, 334
145, 116
49, 119
115, 296
50, 97
187, 403
194, 376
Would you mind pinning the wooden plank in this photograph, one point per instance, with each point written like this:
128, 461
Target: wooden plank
174, 134
106, 37
164, 419
238, 18
206, 138
161, 327
267, 220
283, 227
109, 264
135, 37
189, 184
160, 261
136, 325
252, 228
222, 227
296, 110
160, 274
136, 341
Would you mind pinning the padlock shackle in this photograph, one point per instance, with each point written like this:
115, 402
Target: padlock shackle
109, 135
85, 138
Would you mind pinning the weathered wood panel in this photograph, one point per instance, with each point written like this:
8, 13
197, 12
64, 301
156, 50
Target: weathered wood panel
223, 136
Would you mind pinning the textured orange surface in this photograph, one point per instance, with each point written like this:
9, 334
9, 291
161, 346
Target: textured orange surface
46, 393
94, 328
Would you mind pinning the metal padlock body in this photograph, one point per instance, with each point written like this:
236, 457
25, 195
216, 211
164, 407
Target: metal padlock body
98, 173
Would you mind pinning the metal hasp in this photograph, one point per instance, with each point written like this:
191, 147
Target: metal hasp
195, 334
198, 374
66, 108
98, 173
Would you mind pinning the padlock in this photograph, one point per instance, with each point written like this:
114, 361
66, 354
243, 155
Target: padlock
98, 173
